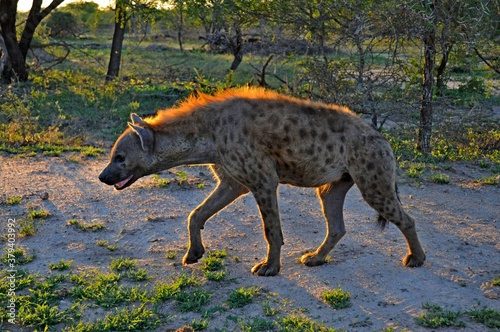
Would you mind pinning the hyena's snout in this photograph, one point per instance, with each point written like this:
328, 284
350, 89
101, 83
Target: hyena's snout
118, 179
105, 177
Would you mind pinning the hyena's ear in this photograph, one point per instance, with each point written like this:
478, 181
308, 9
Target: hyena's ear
136, 119
145, 134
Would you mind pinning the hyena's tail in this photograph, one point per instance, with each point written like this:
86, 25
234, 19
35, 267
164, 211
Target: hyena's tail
381, 221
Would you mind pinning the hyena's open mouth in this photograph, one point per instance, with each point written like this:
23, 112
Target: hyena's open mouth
123, 183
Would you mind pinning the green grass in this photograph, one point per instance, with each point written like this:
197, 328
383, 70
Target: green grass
61, 266
19, 256
26, 227
488, 317
92, 226
243, 296
491, 181
38, 214
170, 254
166, 291
107, 245
300, 323
437, 317
440, 178
14, 200
199, 325
257, 324
141, 318
496, 281
122, 264
105, 290
213, 265
192, 300
337, 298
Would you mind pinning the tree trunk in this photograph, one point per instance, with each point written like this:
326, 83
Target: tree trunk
16, 64
181, 24
117, 44
18, 51
425, 128
237, 47
442, 67
4, 57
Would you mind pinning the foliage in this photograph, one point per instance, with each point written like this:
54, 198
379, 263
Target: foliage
337, 298
436, 317
243, 296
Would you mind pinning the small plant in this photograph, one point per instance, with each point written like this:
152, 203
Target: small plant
18, 255
91, 151
182, 177
216, 275
257, 324
440, 178
414, 170
496, 281
268, 310
298, 323
138, 275
436, 317
170, 254
95, 226
242, 296
122, 264
105, 243
488, 317
199, 325
492, 180
163, 291
337, 298
14, 200
104, 289
126, 319
192, 300
61, 266
27, 227
38, 214
214, 261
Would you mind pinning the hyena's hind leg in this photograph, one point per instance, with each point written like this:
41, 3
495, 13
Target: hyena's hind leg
332, 198
227, 190
382, 196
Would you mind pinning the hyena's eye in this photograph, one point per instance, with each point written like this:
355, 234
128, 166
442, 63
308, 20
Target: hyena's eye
119, 158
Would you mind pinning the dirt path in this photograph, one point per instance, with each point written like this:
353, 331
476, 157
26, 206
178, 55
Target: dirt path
458, 226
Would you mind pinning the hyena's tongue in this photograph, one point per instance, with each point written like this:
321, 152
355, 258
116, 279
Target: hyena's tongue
120, 184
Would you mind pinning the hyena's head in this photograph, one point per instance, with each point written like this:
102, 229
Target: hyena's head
131, 156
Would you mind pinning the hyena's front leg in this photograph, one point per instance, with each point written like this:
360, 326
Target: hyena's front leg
267, 201
332, 198
227, 190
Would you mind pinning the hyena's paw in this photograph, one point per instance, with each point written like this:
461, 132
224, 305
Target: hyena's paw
266, 269
413, 261
312, 259
193, 255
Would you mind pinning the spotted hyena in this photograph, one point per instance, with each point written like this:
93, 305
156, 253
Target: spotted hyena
255, 140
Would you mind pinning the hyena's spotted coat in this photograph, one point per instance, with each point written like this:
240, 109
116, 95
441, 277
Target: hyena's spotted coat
256, 140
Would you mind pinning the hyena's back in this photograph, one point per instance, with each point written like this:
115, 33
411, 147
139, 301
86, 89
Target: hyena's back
306, 144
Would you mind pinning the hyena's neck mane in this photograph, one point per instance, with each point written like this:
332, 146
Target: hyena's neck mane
191, 111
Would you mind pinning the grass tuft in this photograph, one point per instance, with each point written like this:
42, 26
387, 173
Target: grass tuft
243, 296
337, 298
437, 317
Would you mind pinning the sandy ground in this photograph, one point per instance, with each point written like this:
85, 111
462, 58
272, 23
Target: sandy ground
458, 226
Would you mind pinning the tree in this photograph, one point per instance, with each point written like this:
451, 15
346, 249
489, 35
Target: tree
429, 44
124, 10
224, 21
121, 19
16, 51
